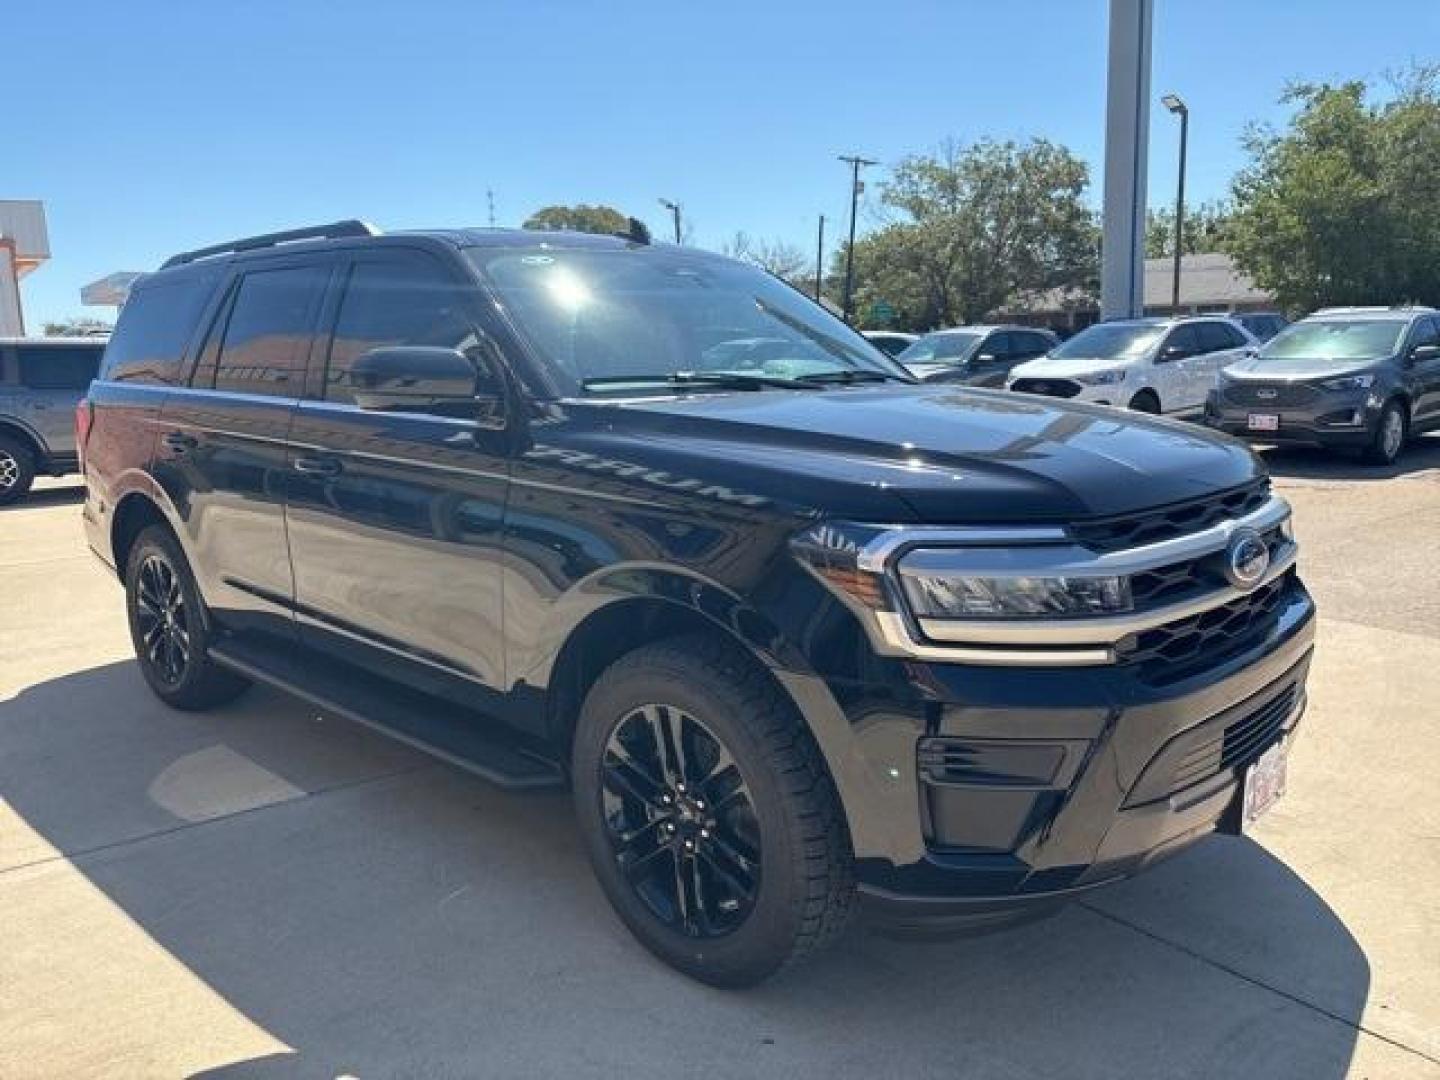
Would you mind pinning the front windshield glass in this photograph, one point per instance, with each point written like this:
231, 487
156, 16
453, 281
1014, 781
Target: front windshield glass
605, 316
947, 348
1107, 341
1335, 339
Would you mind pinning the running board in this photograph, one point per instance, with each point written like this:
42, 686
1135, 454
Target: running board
427, 723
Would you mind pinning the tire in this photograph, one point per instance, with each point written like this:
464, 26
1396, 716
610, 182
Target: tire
1388, 438
170, 627
1145, 401
17, 470
769, 879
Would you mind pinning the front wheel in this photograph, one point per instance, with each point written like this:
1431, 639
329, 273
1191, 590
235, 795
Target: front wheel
17, 470
1146, 402
1388, 439
708, 814
170, 627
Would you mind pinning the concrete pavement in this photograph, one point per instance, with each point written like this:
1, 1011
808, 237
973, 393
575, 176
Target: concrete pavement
264, 891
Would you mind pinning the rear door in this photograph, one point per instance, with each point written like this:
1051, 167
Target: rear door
992, 361
221, 452
51, 381
1424, 375
1173, 375
1221, 344
395, 516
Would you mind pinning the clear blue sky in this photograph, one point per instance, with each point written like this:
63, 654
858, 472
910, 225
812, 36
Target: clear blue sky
152, 127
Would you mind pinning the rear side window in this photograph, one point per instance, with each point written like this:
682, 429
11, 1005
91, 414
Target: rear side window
267, 336
395, 300
1185, 339
155, 326
1215, 336
58, 367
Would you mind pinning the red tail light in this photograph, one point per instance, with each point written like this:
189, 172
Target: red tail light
84, 421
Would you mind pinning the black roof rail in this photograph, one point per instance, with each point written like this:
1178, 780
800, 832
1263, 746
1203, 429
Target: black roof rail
334, 231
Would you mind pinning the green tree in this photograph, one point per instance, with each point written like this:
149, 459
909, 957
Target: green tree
579, 218
1207, 228
77, 326
974, 229
1343, 205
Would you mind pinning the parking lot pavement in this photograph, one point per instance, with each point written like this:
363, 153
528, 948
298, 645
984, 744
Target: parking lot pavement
264, 891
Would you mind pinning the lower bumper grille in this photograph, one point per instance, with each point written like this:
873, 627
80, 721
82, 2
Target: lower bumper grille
1276, 395
1061, 388
1211, 634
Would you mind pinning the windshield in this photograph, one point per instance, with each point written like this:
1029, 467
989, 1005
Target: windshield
1107, 341
605, 316
947, 348
1336, 339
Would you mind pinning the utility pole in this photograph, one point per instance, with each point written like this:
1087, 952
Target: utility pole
674, 209
490, 198
820, 258
856, 163
1178, 108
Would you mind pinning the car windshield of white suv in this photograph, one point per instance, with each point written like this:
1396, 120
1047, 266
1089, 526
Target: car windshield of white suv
947, 348
1336, 339
622, 320
1109, 341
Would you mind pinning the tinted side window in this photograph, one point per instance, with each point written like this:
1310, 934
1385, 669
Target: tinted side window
1215, 336
996, 345
58, 367
1029, 346
1183, 338
267, 338
1427, 333
155, 325
395, 301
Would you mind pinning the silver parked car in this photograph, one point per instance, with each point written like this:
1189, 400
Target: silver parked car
41, 382
975, 355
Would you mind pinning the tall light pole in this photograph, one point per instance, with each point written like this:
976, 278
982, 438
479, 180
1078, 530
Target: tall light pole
674, 208
819, 258
1127, 128
856, 164
1176, 106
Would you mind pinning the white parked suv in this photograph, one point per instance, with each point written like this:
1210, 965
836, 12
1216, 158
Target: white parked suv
1151, 365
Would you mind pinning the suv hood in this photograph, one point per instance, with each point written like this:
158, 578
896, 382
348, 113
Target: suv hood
937, 454
1257, 367
1049, 367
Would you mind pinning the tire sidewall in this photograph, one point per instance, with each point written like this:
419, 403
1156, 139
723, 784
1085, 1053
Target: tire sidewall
1378, 453
1146, 402
156, 541
766, 937
26, 462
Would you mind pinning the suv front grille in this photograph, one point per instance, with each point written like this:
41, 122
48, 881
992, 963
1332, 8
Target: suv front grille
1166, 523
1061, 388
1276, 395
1210, 635
1191, 577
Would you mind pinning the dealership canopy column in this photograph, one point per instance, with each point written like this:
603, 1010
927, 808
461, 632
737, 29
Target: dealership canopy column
24, 245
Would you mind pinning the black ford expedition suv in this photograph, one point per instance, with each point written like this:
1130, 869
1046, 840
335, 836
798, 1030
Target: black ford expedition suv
793, 630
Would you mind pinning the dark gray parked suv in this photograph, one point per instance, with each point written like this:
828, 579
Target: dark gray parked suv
1359, 377
41, 382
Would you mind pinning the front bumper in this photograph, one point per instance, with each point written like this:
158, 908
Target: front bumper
1018, 789
1345, 418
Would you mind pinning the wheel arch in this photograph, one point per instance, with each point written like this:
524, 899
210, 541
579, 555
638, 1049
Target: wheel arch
136, 510
21, 433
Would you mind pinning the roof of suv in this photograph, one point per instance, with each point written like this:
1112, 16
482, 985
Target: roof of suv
1379, 313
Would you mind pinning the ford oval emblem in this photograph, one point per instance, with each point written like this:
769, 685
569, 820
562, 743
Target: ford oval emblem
1266, 393
1246, 559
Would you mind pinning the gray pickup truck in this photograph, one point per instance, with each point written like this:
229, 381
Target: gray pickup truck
41, 382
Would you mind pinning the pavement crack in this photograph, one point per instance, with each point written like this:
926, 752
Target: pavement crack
186, 826
1253, 981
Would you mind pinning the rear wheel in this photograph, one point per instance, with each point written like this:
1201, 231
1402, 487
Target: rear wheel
17, 469
1388, 438
1146, 401
170, 627
708, 813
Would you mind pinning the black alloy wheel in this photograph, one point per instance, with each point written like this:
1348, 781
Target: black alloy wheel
681, 821
162, 619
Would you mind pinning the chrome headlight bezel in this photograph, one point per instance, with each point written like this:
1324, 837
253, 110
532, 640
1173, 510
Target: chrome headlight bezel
1108, 377
1342, 383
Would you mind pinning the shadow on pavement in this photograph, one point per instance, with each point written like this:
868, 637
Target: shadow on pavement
409, 919
49, 495
1314, 463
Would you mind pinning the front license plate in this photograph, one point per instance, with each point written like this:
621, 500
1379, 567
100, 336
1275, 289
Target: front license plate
1263, 422
1264, 785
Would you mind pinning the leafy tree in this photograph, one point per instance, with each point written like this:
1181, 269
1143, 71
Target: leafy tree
77, 326
579, 218
974, 229
1207, 228
1341, 206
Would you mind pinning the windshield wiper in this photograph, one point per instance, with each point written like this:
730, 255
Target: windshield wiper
723, 380
848, 376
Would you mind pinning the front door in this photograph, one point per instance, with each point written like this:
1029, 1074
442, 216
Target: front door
1423, 375
395, 516
1173, 374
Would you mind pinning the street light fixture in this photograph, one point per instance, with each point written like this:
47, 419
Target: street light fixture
1178, 107
856, 164
674, 209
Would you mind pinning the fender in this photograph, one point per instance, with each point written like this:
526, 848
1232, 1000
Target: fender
133, 484
17, 426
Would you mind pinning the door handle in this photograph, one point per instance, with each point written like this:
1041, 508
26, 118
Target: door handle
317, 466
177, 442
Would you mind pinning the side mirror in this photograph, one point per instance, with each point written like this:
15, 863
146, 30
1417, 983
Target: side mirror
422, 379
985, 358
1420, 353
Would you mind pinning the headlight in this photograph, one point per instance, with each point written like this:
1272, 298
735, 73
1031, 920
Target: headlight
1349, 382
1101, 378
942, 594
